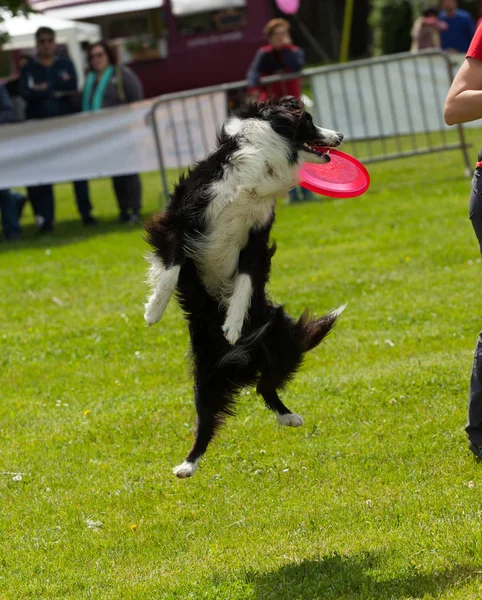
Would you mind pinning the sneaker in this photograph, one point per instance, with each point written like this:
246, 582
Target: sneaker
476, 450
135, 219
124, 217
89, 220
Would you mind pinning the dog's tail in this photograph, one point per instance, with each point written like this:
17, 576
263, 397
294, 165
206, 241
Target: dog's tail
312, 331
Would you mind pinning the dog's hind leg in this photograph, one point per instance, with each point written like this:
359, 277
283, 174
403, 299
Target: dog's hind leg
213, 401
267, 389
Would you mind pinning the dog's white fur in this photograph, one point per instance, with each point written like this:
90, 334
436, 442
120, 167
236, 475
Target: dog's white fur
163, 282
243, 199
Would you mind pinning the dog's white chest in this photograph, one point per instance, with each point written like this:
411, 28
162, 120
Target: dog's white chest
227, 234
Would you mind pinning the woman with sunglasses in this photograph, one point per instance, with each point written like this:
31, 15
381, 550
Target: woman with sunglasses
108, 85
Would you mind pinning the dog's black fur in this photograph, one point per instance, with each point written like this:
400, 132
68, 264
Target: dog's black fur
272, 344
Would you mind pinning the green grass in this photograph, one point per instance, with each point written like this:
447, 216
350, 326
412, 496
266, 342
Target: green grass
369, 500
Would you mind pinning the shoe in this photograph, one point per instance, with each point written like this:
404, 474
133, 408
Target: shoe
135, 219
124, 217
13, 237
476, 450
89, 220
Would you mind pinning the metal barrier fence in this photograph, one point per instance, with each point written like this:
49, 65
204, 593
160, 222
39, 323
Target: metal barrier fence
389, 107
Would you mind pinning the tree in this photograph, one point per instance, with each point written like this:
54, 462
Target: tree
391, 21
14, 7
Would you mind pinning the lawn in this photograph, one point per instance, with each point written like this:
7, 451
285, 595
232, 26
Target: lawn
376, 497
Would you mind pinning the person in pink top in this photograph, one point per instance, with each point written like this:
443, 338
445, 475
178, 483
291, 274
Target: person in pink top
464, 104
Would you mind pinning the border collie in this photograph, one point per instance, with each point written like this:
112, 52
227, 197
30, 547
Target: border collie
211, 246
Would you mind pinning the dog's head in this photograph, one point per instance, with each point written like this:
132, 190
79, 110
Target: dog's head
288, 118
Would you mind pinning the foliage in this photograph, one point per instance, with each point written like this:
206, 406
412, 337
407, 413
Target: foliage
391, 22
375, 497
14, 7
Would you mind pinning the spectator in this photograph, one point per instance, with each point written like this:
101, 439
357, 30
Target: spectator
8, 202
108, 85
48, 84
279, 57
460, 29
13, 89
426, 30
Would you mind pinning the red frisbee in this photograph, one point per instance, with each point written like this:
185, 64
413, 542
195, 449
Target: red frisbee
343, 177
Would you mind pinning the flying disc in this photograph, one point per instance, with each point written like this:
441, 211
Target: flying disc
343, 177
289, 7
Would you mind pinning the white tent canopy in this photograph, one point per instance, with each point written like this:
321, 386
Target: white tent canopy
189, 7
22, 35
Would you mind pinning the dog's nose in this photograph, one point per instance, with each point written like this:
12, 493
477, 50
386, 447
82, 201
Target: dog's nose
339, 138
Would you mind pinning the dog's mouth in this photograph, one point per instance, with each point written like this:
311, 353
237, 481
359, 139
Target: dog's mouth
317, 150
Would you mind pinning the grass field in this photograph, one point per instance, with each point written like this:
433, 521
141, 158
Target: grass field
376, 497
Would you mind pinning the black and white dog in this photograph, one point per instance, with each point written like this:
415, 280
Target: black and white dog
212, 247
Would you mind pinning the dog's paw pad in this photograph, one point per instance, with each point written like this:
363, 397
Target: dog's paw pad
290, 420
231, 333
186, 469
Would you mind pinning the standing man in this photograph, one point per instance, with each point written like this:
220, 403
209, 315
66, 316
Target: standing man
460, 30
47, 84
279, 57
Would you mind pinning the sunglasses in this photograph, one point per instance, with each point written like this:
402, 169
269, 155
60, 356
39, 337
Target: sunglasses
97, 55
46, 41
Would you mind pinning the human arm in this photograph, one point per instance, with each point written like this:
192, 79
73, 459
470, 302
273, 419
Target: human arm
66, 80
30, 90
464, 100
293, 57
132, 86
5, 106
253, 74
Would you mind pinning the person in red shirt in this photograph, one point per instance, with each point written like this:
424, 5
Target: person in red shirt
279, 57
464, 104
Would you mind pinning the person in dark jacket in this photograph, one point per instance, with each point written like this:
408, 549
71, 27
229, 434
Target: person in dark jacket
108, 85
8, 201
280, 57
48, 84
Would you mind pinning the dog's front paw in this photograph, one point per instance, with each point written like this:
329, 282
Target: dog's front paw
232, 332
290, 420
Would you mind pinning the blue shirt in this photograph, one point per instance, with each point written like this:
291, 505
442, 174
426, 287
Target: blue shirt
460, 32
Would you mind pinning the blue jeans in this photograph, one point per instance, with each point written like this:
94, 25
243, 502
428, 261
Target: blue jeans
294, 196
9, 209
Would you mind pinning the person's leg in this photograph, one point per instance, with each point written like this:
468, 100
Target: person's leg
122, 200
306, 194
21, 201
474, 425
9, 211
42, 198
84, 205
128, 190
293, 195
134, 193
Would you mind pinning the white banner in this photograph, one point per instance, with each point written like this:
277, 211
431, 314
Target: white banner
116, 141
